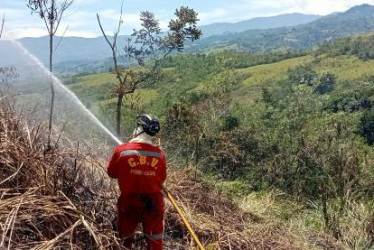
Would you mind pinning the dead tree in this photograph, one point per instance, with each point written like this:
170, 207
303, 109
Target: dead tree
51, 12
148, 47
119, 74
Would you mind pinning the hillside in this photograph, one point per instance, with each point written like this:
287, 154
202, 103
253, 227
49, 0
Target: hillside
257, 23
70, 202
301, 37
268, 134
359, 19
285, 125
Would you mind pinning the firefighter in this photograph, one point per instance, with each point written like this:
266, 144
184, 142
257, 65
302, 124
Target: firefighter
140, 167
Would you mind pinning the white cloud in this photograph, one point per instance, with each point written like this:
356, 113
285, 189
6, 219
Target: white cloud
246, 9
164, 24
85, 2
216, 15
324, 7
110, 17
81, 17
24, 32
321, 7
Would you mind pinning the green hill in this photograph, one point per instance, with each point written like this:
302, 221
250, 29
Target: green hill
257, 23
356, 20
300, 124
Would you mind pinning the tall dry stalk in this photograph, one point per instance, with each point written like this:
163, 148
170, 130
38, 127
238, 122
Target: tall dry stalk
51, 12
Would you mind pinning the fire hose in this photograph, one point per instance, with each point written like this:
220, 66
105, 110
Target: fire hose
181, 215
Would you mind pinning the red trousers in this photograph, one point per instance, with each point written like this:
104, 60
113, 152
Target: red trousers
147, 209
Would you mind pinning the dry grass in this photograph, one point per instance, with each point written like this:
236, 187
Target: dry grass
64, 200
219, 222
49, 200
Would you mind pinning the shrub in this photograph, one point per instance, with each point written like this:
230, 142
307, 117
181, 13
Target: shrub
366, 127
303, 74
326, 83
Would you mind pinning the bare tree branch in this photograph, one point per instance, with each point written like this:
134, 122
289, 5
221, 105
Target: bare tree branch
103, 32
50, 11
59, 42
64, 6
120, 21
2, 25
121, 79
44, 15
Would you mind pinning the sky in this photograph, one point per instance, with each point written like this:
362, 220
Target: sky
80, 18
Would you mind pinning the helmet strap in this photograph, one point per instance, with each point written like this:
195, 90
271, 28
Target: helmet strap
138, 131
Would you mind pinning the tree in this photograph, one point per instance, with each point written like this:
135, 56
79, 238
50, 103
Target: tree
148, 47
51, 12
303, 74
326, 83
366, 127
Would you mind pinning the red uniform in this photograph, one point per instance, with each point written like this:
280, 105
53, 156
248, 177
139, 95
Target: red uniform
140, 169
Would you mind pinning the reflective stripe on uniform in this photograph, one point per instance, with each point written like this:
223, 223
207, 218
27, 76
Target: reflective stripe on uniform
140, 153
157, 236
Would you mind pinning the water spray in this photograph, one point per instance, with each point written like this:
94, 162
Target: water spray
59, 84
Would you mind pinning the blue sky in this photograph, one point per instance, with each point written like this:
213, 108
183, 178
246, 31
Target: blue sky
80, 19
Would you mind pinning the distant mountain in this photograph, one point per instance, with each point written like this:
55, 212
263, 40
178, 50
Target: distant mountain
84, 66
76, 55
83, 49
257, 23
357, 20
95, 49
71, 48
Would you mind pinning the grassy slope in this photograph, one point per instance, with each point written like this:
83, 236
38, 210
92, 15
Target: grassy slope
346, 67
272, 207
96, 88
263, 75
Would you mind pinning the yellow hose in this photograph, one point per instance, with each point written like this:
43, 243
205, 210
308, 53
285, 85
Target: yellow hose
194, 236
